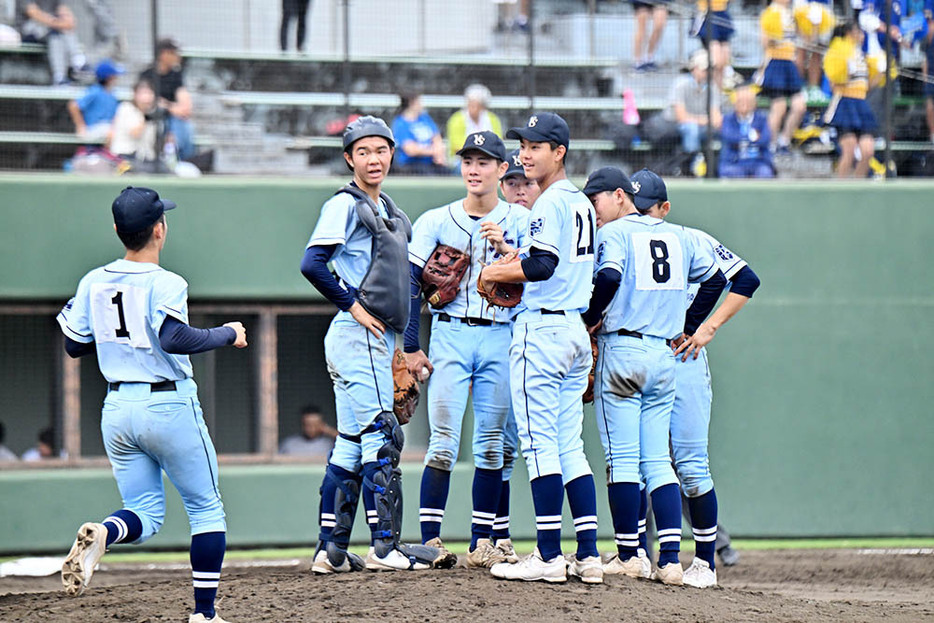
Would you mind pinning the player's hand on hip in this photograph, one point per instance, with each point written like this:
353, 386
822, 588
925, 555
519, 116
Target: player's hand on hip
594, 329
240, 342
367, 320
688, 345
418, 365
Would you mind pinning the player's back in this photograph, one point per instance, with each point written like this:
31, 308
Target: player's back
121, 308
563, 222
657, 260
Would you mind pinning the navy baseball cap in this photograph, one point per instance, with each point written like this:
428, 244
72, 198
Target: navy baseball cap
135, 209
515, 165
648, 189
607, 178
487, 142
107, 69
543, 127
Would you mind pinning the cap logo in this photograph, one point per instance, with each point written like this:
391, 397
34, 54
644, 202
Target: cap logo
516, 161
533, 121
479, 139
636, 187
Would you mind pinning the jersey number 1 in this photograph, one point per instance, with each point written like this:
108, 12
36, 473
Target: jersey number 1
121, 330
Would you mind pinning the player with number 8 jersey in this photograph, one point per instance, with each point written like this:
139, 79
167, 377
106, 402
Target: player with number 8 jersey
550, 356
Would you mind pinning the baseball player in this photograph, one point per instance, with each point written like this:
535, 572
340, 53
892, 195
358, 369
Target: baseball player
550, 356
134, 315
641, 275
520, 190
358, 223
468, 342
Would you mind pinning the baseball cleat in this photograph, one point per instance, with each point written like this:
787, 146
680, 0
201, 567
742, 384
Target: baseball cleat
635, 567
484, 555
446, 558
533, 568
672, 574
79, 565
393, 561
728, 556
200, 618
589, 569
508, 551
322, 564
700, 575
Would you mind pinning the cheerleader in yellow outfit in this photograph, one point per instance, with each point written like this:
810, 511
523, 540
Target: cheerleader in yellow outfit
781, 80
717, 30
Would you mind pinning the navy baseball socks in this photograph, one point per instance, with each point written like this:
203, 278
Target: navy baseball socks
582, 498
548, 499
704, 524
624, 507
486, 491
501, 522
207, 556
123, 526
666, 505
643, 516
327, 518
432, 500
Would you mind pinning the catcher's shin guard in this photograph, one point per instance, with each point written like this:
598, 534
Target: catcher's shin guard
346, 498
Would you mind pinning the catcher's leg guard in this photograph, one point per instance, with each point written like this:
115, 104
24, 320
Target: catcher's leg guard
346, 498
384, 479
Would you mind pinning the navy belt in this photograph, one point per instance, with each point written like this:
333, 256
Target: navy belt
552, 312
161, 386
470, 322
628, 333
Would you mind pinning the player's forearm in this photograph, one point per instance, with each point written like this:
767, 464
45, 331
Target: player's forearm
704, 302
177, 338
605, 287
505, 273
76, 117
78, 349
315, 269
410, 337
731, 304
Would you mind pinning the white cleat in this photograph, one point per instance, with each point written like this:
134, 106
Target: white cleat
672, 574
79, 565
200, 618
533, 568
508, 551
322, 565
589, 570
393, 561
700, 575
484, 555
636, 567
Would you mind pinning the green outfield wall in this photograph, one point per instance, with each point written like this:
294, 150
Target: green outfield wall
823, 385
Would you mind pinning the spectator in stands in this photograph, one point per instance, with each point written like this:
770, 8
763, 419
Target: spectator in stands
45, 449
166, 73
688, 107
316, 439
815, 22
845, 66
134, 126
474, 117
745, 139
420, 148
5, 453
293, 10
781, 78
52, 23
928, 67
716, 29
643, 54
94, 112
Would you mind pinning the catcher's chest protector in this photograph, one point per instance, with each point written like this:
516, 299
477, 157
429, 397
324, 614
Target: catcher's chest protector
384, 291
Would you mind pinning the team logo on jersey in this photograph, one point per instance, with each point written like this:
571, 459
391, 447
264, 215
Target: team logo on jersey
536, 226
533, 121
479, 139
636, 187
600, 251
723, 253
516, 161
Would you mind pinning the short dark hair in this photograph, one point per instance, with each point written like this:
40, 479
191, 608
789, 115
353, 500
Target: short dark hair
47, 436
166, 43
311, 408
2, 432
138, 239
554, 145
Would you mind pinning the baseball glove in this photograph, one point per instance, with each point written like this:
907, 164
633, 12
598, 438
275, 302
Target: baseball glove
442, 275
405, 389
595, 351
501, 294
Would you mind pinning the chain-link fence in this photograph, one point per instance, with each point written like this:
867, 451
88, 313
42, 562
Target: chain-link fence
266, 86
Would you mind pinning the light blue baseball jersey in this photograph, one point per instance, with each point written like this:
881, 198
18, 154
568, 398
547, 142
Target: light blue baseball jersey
338, 224
451, 225
121, 307
657, 260
562, 221
728, 262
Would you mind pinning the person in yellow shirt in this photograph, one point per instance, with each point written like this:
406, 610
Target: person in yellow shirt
474, 117
815, 22
848, 112
781, 80
717, 30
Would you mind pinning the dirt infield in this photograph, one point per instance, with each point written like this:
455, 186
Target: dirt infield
786, 585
